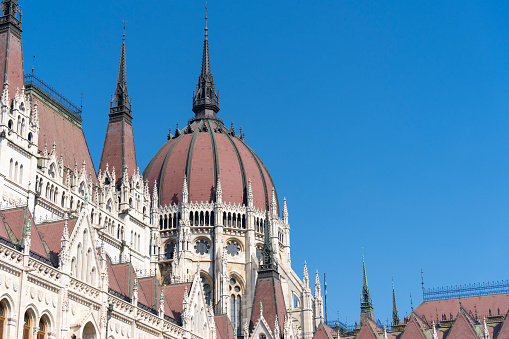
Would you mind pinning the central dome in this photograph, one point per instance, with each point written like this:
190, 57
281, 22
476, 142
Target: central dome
202, 151
206, 150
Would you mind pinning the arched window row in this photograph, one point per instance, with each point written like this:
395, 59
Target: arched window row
260, 225
31, 326
16, 171
169, 221
234, 220
201, 218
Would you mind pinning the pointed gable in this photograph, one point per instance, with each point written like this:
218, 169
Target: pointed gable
13, 227
504, 330
367, 331
413, 330
51, 234
269, 293
324, 332
462, 328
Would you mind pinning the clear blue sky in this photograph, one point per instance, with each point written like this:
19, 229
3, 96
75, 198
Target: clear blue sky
384, 123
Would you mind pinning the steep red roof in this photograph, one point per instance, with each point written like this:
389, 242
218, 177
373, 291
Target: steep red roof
504, 330
119, 149
367, 331
13, 225
481, 305
149, 292
14, 71
462, 328
121, 278
224, 328
324, 332
173, 299
268, 291
51, 234
66, 133
413, 330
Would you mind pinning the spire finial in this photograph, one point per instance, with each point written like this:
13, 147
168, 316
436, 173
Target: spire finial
121, 103
205, 100
206, 19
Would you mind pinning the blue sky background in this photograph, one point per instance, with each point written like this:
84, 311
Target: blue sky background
383, 123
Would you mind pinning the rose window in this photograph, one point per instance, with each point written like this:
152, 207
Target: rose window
232, 248
202, 246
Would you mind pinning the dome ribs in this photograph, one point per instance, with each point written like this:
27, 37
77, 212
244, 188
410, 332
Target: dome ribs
215, 152
189, 158
205, 152
160, 176
266, 174
230, 170
202, 183
242, 171
173, 171
262, 177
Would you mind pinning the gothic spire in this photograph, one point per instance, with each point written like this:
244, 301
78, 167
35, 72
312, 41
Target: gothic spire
395, 315
121, 103
366, 302
205, 100
269, 263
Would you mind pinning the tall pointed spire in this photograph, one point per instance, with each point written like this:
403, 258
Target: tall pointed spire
118, 149
395, 315
205, 100
366, 302
121, 103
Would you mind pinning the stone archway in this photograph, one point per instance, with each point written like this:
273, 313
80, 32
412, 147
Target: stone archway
89, 331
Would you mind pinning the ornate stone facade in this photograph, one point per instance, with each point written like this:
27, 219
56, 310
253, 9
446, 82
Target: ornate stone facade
112, 254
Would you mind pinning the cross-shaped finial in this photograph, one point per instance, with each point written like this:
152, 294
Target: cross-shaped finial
124, 26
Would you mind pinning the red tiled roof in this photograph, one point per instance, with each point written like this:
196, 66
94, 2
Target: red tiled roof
504, 330
173, 298
324, 332
15, 220
413, 330
122, 278
119, 149
481, 305
15, 62
51, 234
68, 136
203, 155
462, 328
150, 289
268, 291
366, 332
224, 328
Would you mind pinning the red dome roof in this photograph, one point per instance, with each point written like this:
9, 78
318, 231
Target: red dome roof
202, 151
